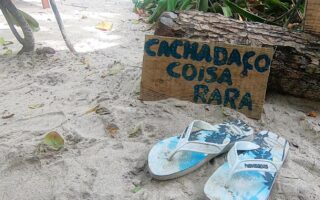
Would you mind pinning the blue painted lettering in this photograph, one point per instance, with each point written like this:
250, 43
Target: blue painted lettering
229, 98
234, 58
246, 65
267, 63
200, 91
217, 58
185, 70
190, 50
211, 71
225, 77
148, 45
215, 96
164, 49
170, 68
246, 101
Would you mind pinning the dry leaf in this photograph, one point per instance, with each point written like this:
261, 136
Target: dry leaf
54, 140
7, 116
112, 129
102, 111
136, 131
35, 106
98, 110
140, 12
135, 21
226, 111
104, 26
85, 61
115, 69
92, 109
312, 114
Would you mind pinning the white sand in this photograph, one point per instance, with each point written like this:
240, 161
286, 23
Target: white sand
61, 88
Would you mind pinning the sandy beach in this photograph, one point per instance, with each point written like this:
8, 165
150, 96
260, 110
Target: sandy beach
105, 152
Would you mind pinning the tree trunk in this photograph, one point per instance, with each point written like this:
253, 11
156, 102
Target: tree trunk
296, 64
7, 8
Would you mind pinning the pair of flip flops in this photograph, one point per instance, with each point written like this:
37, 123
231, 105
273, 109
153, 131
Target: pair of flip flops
251, 167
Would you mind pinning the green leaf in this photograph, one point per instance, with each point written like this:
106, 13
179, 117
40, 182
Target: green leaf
8, 52
277, 5
190, 6
138, 3
171, 5
2, 41
185, 4
136, 189
34, 25
161, 7
216, 8
243, 3
203, 5
227, 11
149, 6
54, 140
245, 13
143, 4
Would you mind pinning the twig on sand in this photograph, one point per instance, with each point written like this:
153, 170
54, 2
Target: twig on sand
61, 27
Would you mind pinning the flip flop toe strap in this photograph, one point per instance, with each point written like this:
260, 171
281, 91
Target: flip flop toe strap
200, 146
236, 165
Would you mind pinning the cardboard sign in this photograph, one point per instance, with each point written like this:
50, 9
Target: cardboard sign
210, 73
312, 18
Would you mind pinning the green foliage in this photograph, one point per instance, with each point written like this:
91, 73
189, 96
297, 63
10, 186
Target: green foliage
4, 45
203, 5
156, 7
227, 11
277, 12
34, 25
2, 41
237, 9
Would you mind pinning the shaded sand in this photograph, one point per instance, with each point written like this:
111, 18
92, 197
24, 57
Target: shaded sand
54, 92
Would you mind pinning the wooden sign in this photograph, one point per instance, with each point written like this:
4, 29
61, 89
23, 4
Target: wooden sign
210, 73
312, 18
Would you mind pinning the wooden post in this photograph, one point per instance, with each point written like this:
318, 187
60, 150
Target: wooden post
45, 4
312, 20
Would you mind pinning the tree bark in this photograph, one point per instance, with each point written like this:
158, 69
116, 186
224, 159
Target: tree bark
7, 8
295, 68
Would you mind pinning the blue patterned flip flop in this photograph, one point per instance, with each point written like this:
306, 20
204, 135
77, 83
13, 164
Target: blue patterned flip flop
251, 169
199, 143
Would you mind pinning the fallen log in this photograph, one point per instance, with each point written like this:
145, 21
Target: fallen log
296, 64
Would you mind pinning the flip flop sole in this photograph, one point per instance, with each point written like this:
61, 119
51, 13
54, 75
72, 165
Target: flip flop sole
180, 173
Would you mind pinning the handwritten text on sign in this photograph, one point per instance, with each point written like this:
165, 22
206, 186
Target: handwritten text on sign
212, 73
